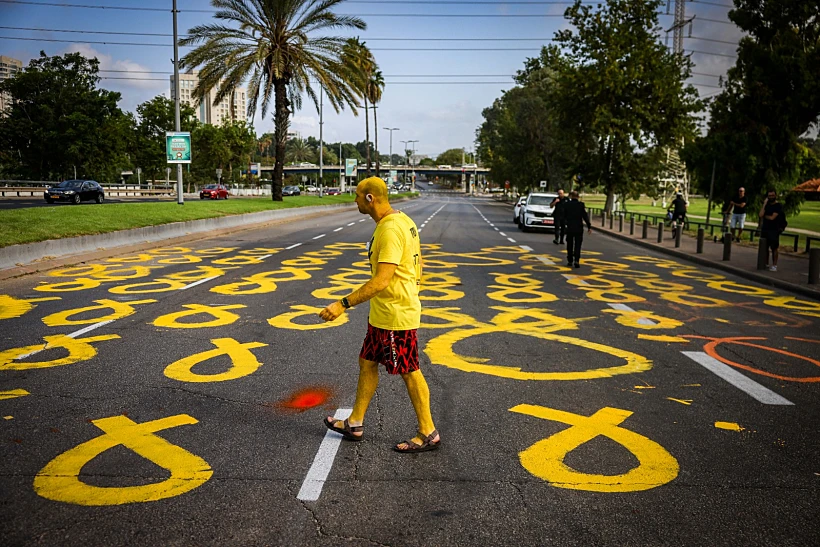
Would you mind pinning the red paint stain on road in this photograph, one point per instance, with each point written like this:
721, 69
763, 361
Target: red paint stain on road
305, 399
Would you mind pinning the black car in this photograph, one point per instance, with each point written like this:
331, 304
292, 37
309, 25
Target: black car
75, 191
291, 191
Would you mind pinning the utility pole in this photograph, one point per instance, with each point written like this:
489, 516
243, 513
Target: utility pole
412, 166
408, 160
180, 199
711, 190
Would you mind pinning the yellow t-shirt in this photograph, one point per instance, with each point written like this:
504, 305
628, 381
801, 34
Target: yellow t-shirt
396, 241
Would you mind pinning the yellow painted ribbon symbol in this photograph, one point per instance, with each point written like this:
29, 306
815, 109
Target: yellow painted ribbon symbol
119, 310
545, 459
221, 316
286, 320
59, 480
11, 307
79, 349
243, 362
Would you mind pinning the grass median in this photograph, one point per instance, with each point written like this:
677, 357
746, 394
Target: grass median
33, 224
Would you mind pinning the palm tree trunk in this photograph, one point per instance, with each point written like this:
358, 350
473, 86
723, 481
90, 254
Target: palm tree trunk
376, 130
367, 134
281, 117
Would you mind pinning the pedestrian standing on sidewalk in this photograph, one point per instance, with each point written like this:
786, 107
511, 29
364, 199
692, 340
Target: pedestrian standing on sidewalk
560, 225
575, 215
738, 214
394, 253
772, 222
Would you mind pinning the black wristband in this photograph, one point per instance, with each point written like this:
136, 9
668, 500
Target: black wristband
345, 303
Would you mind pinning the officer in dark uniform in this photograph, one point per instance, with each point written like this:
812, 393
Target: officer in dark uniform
575, 216
558, 217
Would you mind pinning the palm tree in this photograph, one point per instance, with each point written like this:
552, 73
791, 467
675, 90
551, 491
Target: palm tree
279, 47
359, 59
298, 150
375, 86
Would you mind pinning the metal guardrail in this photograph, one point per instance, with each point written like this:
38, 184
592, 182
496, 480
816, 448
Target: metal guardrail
753, 232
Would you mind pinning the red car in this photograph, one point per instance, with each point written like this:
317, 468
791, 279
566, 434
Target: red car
214, 191
332, 191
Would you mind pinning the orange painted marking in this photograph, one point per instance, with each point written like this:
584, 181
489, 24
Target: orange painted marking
711, 350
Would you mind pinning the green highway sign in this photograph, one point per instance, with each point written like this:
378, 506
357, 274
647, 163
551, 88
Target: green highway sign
178, 147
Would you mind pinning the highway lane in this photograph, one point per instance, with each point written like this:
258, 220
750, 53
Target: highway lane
531, 365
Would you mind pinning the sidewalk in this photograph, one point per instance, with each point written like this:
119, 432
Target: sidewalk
792, 269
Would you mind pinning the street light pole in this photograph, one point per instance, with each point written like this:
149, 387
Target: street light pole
391, 129
180, 199
321, 142
411, 162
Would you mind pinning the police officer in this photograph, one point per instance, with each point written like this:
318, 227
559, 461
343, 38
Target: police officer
558, 217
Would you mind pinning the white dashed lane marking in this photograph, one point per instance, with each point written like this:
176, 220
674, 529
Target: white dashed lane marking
323, 462
292, 246
320, 236
339, 229
624, 307
200, 282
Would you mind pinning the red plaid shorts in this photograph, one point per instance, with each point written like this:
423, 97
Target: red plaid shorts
397, 350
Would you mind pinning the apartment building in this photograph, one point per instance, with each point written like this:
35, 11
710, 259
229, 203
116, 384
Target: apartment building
205, 110
8, 68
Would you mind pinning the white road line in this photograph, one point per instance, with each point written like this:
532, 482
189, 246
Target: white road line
491, 224
502, 234
339, 229
200, 282
757, 391
570, 276
624, 307
320, 236
322, 463
526, 248
265, 256
292, 246
545, 260
74, 334
352, 223
362, 220
496, 229
511, 240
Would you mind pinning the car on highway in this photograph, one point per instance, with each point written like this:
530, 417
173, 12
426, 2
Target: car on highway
291, 191
332, 191
517, 209
536, 212
311, 189
214, 191
75, 191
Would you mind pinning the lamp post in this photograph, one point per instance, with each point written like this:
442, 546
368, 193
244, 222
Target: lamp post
391, 129
411, 162
408, 160
321, 142
180, 199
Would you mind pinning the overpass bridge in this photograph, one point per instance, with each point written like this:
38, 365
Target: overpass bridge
427, 171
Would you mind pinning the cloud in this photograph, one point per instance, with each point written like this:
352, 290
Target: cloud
107, 62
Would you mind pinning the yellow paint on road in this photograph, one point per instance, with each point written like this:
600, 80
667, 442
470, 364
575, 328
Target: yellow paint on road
11, 307
118, 311
79, 349
662, 338
729, 426
13, 394
545, 459
286, 320
686, 402
221, 316
243, 362
60, 479
632, 319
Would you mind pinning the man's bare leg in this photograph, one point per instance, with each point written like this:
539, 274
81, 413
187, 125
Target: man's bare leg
368, 382
420, 397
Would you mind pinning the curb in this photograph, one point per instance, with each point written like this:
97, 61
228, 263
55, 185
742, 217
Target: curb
752, 276
21, 255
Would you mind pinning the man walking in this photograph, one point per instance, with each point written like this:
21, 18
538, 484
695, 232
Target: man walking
560, 225
738, 214
394, 252
771, 224
575, 215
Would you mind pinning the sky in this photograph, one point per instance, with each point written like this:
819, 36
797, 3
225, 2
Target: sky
443, 61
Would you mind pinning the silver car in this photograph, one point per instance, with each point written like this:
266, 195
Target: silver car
517, 209
537, 212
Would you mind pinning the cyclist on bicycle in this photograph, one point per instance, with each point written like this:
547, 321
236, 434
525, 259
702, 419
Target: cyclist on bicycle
678, 211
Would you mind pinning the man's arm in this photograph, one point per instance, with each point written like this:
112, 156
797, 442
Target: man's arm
585, 216
379, 282
763, 208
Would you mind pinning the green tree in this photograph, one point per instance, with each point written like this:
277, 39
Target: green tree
59, 122
428, 162
211, 153
156, 117
240, 141
620, 94
771, 98
329, 157
452, 156
281, 48
299, 150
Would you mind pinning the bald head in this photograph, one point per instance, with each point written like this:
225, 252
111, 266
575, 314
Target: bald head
373, 186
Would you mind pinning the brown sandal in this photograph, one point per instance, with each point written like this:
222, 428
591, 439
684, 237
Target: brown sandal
427, 444
347, 431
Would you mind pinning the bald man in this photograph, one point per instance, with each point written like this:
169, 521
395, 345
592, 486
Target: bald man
394, 253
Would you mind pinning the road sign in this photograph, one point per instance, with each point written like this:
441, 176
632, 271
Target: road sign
543, 184
351, 167
178, 147
394, 175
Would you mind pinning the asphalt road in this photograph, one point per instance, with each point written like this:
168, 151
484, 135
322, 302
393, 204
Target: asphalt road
589, 406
